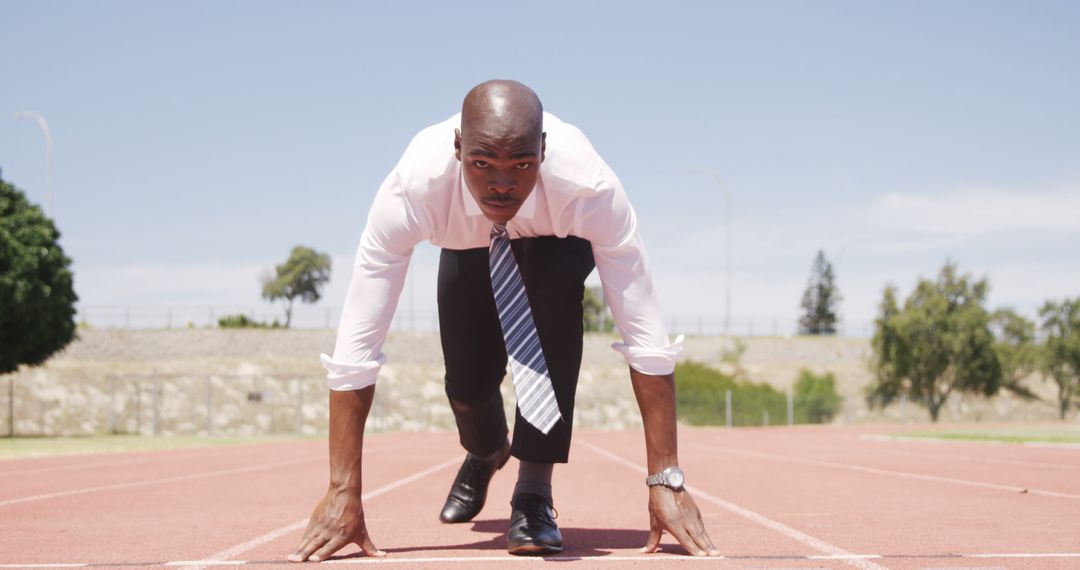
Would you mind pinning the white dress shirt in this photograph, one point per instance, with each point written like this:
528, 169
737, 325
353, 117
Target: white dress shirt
425, 198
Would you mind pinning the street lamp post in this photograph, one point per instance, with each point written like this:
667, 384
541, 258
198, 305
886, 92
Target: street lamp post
728, 248
49, 145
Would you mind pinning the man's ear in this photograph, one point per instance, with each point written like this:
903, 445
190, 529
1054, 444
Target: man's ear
457, 144
543, 146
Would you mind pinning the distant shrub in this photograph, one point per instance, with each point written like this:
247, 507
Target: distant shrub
816, 399
240, 321
700, 397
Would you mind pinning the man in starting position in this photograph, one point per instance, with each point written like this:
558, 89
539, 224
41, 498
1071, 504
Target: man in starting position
522, 224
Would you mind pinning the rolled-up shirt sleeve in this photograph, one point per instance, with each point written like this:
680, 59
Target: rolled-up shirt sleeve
378, 275
606, 218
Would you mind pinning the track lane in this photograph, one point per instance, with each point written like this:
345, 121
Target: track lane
181, 520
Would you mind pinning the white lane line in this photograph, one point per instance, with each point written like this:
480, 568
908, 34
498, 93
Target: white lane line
842, 557
954, 457
167, 454
526, 559
164, 455
145, 483
205, 563
796, 535
47, 565
901, 474
243, 547
1026, 555
902, 438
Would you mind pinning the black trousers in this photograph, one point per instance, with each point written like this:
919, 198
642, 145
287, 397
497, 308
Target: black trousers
554, 271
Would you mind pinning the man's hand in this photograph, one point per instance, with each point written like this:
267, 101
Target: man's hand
338, 521
676, 513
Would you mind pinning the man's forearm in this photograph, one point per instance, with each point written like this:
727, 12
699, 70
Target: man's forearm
348, 414
656, 400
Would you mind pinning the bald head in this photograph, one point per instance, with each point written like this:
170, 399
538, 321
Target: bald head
502, 108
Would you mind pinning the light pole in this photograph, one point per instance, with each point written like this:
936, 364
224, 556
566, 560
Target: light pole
840, 254
727, 247
49, 145
844, 248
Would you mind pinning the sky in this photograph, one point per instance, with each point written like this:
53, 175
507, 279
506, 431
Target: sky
197, 142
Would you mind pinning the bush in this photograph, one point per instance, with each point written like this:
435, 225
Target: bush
240, 321
700, 397
816, 400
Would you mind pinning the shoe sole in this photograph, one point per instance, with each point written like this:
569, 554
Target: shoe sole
534, 550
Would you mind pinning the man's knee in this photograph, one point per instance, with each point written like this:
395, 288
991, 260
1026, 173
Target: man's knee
475, 393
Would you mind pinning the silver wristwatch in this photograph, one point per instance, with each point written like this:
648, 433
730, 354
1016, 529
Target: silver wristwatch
672, 478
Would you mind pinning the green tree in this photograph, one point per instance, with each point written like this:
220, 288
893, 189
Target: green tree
1061, 349
821, 299
37, 299
596, 317
938, 344
302, 275
1016, 350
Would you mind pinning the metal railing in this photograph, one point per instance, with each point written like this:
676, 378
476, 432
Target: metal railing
305, 317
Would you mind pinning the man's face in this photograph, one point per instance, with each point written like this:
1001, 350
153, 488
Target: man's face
500, 170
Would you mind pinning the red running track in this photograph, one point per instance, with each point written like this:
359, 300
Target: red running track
805, 497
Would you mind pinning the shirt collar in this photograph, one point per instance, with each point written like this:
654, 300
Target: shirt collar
472, 208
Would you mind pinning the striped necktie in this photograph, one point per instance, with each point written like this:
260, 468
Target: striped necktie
532, 384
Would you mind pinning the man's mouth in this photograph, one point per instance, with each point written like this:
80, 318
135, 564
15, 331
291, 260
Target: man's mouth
499, 204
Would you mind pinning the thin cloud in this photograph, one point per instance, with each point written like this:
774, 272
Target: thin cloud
971, 212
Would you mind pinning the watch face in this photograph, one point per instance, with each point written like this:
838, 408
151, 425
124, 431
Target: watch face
675, 478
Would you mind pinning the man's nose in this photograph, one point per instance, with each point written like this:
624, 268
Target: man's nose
502, 185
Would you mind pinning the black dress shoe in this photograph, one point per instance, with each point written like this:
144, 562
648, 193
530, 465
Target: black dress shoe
532, 526
469, 491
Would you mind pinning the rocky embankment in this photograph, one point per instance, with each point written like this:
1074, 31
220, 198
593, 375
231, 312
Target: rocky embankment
244, 382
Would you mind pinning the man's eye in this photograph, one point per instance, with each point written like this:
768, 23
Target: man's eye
524, 166
480, 163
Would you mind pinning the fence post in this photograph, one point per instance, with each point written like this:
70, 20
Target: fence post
300, 405
112, 404
790, 407
765, 417
727, 407
209, 406
157, 405
11, 405
138, 407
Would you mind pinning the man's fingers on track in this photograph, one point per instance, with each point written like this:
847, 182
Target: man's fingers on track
701, 538
654, 535
333, 545
687, 541
309, 546
369, 547
301, 553
697, 530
